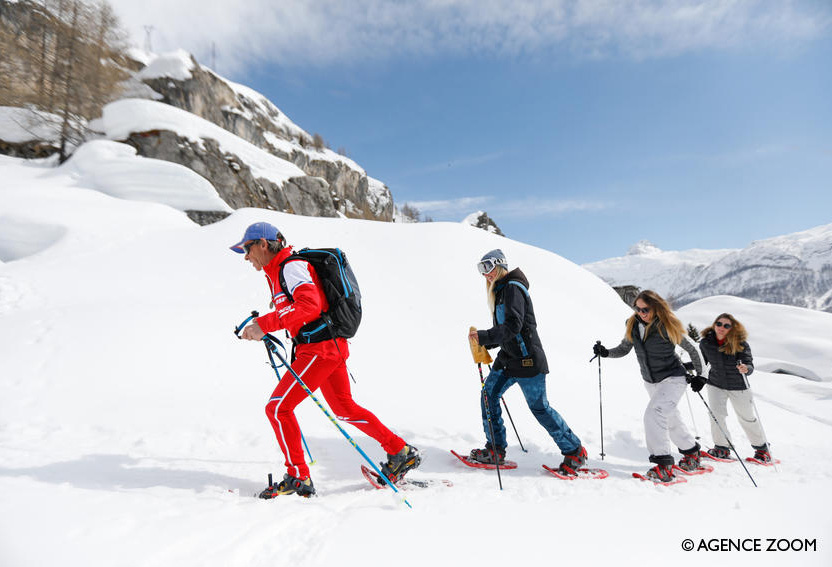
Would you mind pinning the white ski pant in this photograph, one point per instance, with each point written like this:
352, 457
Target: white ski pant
662, 421
743, 405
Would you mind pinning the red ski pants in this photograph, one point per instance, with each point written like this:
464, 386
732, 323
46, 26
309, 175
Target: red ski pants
330, 375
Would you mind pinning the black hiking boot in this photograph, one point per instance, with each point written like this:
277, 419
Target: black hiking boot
720, 452
690, 458
689, 462
289, 485
573, 461
661, 473
761, 453
487, 457
397, 465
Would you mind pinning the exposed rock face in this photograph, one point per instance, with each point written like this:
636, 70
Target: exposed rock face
333, 185
627, 293
233, 178
480, 219
28, 150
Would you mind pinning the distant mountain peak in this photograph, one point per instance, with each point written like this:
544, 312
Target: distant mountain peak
643, 248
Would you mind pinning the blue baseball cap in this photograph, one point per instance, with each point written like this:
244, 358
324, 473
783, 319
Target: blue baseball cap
257, 231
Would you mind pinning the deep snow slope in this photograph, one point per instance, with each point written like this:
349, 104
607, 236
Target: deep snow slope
128, 409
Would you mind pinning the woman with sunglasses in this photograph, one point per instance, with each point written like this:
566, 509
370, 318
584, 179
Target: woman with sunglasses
654, 331
724, 347
521, 361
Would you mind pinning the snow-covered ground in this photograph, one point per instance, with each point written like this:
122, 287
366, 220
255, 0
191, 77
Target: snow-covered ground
128, 409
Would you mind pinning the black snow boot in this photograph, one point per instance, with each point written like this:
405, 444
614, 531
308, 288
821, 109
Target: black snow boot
289, 485
398, 464
487, 456
761, 453
662, 473
573, 461
720, 452
690, 459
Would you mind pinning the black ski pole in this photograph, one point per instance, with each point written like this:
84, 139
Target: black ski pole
724, 434
508, 413
600, 400
756, 413
490, 428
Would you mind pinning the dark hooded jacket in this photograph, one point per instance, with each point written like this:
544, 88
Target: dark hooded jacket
724, 373
515, 329
656, 354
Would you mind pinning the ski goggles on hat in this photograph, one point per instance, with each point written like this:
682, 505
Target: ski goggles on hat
485, 266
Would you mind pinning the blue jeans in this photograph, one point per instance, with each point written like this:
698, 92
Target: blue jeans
534, 390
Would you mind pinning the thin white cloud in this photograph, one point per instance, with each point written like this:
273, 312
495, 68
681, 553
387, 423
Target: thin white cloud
325, 32
534, 208
530, 207
451, 208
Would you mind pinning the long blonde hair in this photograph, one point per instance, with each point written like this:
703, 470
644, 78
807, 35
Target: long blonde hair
736, 334
489, 287
670, 325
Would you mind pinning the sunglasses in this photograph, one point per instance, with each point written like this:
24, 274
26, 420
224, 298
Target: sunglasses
485, 266
721, 324
247, 246
642, 310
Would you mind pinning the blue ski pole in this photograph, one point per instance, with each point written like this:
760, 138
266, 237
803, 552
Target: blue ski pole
272, 343
274, 367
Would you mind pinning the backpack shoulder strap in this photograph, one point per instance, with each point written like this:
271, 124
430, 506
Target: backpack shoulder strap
281, 280
521, 286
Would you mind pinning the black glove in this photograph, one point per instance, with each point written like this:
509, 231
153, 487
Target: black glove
600, 350
696, 382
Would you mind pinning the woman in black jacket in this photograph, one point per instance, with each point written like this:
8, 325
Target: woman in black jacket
521, 361
724, 347
655, 332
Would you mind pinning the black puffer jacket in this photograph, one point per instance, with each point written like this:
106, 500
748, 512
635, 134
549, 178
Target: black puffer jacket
657, 354
724, 373
515, 329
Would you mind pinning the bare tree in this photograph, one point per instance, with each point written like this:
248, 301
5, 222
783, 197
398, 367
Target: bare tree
61, 57
410, 212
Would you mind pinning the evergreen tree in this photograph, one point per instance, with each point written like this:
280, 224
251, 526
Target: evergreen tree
693, 333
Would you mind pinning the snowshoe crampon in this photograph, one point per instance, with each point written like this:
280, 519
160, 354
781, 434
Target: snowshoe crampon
585, 473
676, 480
404, 484
505, 465
701, 469
709, 455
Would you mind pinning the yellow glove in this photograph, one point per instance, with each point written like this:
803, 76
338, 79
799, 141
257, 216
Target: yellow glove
478, 351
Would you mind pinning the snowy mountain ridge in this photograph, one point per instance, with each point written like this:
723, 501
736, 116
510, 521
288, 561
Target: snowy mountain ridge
793, 269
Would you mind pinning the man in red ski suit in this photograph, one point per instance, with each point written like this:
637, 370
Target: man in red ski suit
319, 364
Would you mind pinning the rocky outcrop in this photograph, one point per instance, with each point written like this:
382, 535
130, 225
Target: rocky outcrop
480, 219
333, 185
627, 293
28, 150
233, 179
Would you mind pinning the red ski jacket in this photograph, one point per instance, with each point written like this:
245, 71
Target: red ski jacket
307, 303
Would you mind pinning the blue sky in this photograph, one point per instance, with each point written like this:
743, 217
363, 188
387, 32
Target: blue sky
580, 127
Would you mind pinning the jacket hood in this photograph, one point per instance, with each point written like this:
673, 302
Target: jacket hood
516, 275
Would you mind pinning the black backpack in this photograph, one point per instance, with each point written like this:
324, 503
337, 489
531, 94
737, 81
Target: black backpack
341, 290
